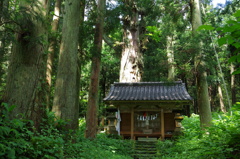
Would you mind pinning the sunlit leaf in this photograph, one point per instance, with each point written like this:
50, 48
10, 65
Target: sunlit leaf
150, 34
205, 27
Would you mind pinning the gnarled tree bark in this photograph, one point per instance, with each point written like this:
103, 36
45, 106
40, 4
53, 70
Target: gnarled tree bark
27, 69
131, 69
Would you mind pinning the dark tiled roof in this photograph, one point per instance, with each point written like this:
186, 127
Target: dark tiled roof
148, 91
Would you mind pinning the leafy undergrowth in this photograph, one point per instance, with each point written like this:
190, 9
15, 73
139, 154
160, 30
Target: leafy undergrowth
19, 140
102, 148
221, 140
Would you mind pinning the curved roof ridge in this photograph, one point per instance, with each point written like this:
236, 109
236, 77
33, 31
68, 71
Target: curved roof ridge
148, 91
147, 83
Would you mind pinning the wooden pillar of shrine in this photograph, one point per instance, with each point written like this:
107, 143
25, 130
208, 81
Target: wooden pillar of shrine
162, 125
132, 123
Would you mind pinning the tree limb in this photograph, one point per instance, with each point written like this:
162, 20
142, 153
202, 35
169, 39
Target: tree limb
113, 44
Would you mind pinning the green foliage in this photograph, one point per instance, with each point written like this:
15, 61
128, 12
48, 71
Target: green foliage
104, 147
232, 37
101, 147
154, 32
205, 27
18, 139
221, 140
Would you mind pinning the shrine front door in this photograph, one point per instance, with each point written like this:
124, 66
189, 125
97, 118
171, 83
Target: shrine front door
147, 122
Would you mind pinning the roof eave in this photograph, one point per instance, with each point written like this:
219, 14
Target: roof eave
148, 101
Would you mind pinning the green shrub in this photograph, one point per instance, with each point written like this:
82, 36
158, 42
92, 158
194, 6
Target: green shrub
221, 140
19, 140
98, 148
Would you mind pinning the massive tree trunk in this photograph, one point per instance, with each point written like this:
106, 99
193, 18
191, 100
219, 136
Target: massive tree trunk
65, 103
26, 73
200, 67
52, 46
92, 111
131, 61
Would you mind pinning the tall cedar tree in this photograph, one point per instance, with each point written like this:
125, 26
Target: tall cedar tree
131, 61
52, 46
92, 110
65, 103
26, 72
200, 67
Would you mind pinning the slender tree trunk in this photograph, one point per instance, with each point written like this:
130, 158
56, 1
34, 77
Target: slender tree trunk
221, 101
131, 61
26, 73
81, 33
2, 58
200, 67
81, 38
170, 56
52, 46
233, 89
65, 103
81, 41
211, 96
92, 111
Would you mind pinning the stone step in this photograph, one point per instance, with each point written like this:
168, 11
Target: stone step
146, 153
152, 145
146, 139
146, 156
145, 149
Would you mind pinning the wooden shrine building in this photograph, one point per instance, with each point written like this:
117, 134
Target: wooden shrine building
148, 109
